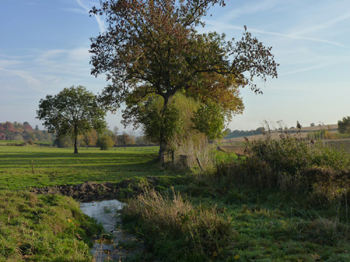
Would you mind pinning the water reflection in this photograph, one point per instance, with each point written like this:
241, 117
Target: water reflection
105, 212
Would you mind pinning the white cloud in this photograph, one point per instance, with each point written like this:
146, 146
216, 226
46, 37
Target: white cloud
87, 8
32, 81
284, 35
324, 25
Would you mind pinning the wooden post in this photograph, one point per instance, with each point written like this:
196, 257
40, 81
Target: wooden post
199, 163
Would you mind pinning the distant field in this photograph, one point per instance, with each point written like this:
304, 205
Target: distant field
276, 134
56, 166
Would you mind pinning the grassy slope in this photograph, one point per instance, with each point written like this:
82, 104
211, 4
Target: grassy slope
54, 166
43, 228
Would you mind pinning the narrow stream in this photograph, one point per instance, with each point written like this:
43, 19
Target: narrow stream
106, 213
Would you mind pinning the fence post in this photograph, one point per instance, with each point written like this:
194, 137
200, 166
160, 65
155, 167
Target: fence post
199, 163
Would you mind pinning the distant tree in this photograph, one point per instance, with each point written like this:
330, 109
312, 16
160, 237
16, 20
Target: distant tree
105, 142
140, 140
64, 141
27, 127
73, 111
9, 127
299, 125
124, 139
131, 140
344, 125
36, 128
115, 130
90, 138
312, 124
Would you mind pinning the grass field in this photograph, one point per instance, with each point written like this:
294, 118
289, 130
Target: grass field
32, 166
52, 228
212, 219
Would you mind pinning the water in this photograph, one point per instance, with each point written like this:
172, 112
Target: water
106, 213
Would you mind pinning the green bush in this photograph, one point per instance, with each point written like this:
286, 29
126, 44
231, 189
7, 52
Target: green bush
105, 142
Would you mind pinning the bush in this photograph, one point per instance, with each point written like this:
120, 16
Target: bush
105, 142
175, 230
292, 165
30, 141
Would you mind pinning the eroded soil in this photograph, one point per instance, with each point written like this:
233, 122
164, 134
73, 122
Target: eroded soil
92, 191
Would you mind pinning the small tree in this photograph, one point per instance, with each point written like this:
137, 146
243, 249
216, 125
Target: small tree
74, 111
344, 125
90, 138
105, 142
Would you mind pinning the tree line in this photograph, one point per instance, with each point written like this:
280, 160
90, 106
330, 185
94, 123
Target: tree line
23, 132
104, 140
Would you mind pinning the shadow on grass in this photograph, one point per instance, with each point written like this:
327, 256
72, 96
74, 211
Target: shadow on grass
33, 168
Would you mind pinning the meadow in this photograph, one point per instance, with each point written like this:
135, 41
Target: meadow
34, 166
248, 209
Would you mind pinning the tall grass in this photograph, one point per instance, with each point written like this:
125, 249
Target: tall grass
175, 229
296, 167
194, 153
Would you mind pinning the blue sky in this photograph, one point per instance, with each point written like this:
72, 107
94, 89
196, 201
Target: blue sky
44, 48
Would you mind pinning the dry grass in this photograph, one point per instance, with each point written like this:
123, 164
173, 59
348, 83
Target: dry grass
174, 224
189, 151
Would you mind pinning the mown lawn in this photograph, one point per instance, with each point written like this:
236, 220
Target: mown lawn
33, 166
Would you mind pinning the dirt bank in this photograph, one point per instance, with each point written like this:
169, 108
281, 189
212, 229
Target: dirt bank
92, 191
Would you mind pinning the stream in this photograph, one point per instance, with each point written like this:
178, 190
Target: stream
106, 213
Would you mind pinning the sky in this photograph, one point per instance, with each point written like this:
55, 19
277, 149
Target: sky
44, 47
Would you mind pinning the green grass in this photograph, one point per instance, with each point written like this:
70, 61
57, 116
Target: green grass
11, 142
266, 226
43, 228
55, 166
221, 156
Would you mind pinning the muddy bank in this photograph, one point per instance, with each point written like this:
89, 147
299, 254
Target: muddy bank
92, 191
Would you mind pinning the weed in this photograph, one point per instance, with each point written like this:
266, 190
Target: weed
171, 225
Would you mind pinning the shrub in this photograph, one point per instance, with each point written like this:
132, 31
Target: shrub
30, 141
105, 142
176, 230
294, 166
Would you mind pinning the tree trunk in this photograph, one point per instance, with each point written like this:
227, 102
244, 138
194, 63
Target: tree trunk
162, 139
75, 139
75, 145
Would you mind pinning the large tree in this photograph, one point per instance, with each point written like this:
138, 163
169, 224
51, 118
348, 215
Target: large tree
73, 111
152, 47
